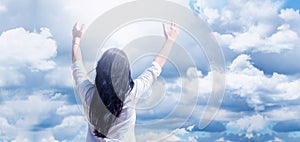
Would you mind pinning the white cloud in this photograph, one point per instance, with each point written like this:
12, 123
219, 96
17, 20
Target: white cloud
283, 39
192, 72
256, 27
224, 39
289, 14
288, 90
22, 49
242, 64
67, 110
28, 114
247, 124
212, 14
222, 140
49, 139
180, 131
292, 18
60, 76
242, 79
192, 139
7, 131
276, 140
9, 76
69, 126
284, 113
162, 136
190, 128
247, 81
22, 115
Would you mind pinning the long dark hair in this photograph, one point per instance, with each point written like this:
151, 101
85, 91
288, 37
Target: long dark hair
113, 81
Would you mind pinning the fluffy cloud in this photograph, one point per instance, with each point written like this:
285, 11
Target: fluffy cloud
248, 124
246, 84
151, 136
22, 49
41, 116
292, 18
60, 76
257, 27
284, 113
212, 15
69, 126
284, 38
246, 80
241, 25
6, 130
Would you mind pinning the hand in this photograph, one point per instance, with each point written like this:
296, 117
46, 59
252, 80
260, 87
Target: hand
77, 31
173, 33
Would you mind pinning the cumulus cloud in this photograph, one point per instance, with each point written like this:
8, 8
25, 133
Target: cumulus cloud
247, 81
212, 15
69, 126
284, 38
284, 113
40, 116
248, 124
241, 25
60, 76
257, 27
6, 130
258, 90
22, 49
152, 136
291, 17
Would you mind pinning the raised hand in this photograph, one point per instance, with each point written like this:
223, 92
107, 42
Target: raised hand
77, 31
173, 33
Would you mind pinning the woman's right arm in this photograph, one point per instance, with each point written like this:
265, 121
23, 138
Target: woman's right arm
170, 36
147, 78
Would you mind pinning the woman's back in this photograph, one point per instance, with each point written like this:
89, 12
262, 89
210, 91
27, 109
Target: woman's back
123, 127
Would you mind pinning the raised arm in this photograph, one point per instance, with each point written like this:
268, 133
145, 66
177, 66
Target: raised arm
77, 34
147, 78
170, 36
82, 84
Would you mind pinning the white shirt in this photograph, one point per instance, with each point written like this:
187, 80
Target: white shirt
123, 128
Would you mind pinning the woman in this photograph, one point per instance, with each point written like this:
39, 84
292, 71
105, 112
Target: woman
109, 102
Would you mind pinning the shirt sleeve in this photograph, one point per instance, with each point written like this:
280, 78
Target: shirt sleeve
145, 80
84, 87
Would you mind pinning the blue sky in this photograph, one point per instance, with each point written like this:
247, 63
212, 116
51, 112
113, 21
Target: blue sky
261, 45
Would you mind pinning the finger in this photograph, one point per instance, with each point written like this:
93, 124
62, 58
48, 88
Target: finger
176, 27
173, 23
76, 25
82, 27
164, 28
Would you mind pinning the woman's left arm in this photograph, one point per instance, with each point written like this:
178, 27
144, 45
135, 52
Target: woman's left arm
82, 84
